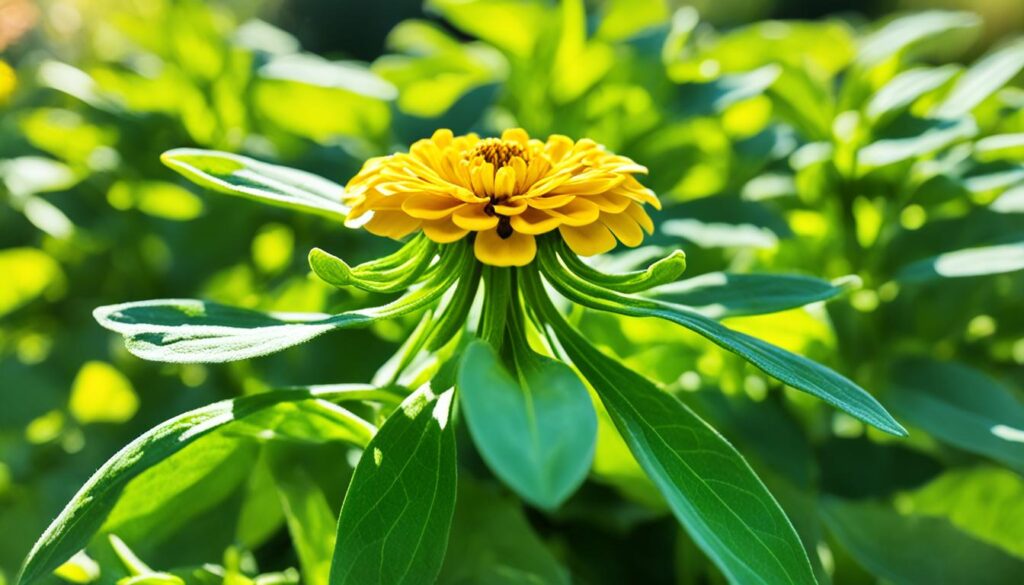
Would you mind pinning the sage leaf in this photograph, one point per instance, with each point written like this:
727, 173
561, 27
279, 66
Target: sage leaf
275, 185
792, 369
88, 509
536, 433
720, 294
394, 523
961, 406
709, 486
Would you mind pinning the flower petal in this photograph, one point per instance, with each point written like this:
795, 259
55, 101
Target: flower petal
516, 135
430, 206
505, 182
639, 215
588, 240
443, 231
474, 218
535, 222
517, 250
579, 211
624, 227
549, 201
391, 224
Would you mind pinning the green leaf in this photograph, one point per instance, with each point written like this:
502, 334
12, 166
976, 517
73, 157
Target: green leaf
714, 97
961, 406
272, 184
311, 522
709, 486
538, 433
903, 33
986, 502
909, 138
915, 550
981, 261
492, 542
395, 519
662, 271
795, 370
982, 80
906, 88
194, 331
720, 294
88, 509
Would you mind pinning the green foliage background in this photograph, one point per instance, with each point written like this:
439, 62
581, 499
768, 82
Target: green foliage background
889, 147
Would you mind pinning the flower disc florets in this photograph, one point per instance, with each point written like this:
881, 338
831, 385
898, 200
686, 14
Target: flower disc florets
505, 191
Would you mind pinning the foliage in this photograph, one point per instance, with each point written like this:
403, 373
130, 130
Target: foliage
848, 195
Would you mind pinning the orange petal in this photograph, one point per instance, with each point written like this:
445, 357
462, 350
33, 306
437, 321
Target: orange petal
474, 218
588, 240
516, 250
443, 231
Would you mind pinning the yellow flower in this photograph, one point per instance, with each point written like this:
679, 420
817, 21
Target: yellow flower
8, 82
506, 192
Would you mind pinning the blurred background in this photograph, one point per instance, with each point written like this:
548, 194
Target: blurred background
93, 91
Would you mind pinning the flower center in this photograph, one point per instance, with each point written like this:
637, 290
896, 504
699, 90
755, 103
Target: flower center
498, 152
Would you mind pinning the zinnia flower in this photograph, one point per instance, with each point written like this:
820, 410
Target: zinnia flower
506, 191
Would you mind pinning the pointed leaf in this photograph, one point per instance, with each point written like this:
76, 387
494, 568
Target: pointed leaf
982, 261
395, 519
986, 76
276, 185
709, 486
720, 294
538, 433
88, 509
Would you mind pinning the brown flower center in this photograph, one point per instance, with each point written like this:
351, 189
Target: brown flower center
498, 152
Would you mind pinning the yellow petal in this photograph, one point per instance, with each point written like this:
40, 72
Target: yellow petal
639, 215
442, 137
588, 240
474, 218
392, 224
505, 182
591, 186
549, 201
516, 135
535, 222
578, 212
430, 206
510, 207
443, 231
625, 229
557, 147
610, 202
516, 250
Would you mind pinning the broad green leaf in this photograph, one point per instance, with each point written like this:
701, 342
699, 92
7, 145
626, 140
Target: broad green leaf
193, 331
795, 370
536, 433
714, 97
395, 519
493, 542
1008, 147
28, 273
522, 21
986, 502
916, 550
709, 486
309, 421
910, 138
311, 522
906, 32
88, 509
625, 18
720, 294
961, 406
982, 80
272, 184
981, 261
905, 89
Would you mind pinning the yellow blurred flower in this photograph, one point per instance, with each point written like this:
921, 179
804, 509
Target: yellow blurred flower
8, 81
506, 191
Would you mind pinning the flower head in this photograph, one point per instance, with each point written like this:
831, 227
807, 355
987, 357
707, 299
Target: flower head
506, 191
